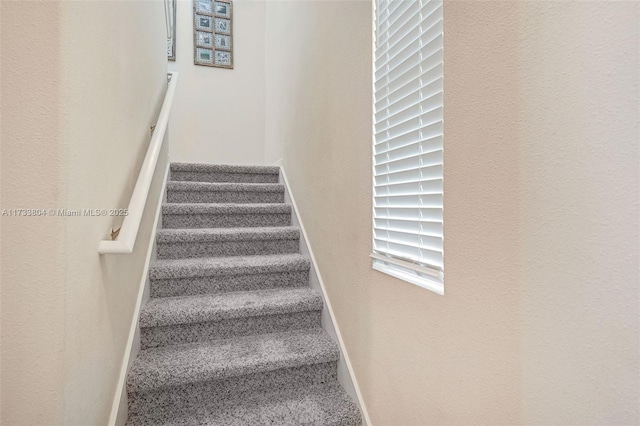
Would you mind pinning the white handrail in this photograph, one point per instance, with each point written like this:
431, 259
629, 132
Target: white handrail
129, 231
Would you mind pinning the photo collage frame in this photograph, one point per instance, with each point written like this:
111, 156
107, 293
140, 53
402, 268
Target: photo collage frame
212, 32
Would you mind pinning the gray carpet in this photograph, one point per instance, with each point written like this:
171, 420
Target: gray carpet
232, 332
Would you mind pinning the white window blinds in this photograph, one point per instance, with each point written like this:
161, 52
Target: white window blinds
408, 147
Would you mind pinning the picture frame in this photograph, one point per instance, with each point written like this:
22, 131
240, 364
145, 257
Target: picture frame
213, 33
170, 16
203, 23
221, 9
222, 58
223, 42
204, 7
204, 39
222, 25
204, 56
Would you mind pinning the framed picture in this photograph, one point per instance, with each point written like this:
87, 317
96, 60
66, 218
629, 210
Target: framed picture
222, 9
170, 15
223, 42
223, 26
204, 23
204, 39
204, 7
223, 58
204, 56
213, 33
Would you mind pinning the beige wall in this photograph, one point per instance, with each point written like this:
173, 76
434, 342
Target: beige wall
76, 113
579, 172
32, 294
419, 358
539, 323
218, 115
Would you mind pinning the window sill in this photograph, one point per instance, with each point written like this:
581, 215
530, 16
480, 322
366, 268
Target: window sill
430, 279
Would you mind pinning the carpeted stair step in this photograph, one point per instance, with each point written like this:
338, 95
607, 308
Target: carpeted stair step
193, 172
210, 242
225, 215
205, 192
192, 396
183, 277
179, 320
326, 405
232, 359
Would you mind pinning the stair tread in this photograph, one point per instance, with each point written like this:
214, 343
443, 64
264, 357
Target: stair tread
224, 187
224, 168
184, 235
216, 307
226, 208
315, 405
182, 364
235, 265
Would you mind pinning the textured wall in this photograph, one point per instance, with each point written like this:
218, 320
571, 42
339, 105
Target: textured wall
419, 358
539, 322
76, 111
32, 294
219, 114
579, 171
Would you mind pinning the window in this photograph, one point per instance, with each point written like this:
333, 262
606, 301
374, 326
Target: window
408, 142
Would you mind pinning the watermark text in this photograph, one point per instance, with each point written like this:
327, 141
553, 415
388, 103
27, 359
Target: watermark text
62, 212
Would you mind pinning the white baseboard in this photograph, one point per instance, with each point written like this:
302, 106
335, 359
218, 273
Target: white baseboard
346, 376
118, 414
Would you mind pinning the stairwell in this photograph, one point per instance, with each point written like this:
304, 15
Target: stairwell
231, 334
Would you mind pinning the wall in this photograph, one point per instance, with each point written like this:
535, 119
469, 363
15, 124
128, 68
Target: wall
419, 358
75, 127
219, 114
32, 293
579, 171
539, 321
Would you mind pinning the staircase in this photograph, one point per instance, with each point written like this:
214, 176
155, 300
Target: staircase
232, 334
